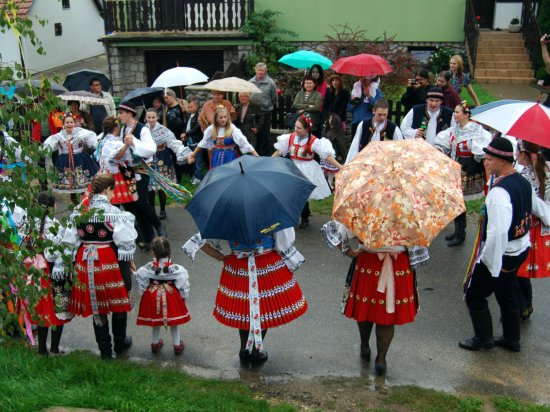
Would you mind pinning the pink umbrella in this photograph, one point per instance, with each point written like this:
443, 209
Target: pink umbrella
362, 65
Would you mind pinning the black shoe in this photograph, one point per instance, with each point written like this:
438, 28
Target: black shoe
257, 358
365, 353
162, 215
450, 237
457, 240
303, 224
380, 368
244, 356
103, 339
502, 342
476, 343
122, 344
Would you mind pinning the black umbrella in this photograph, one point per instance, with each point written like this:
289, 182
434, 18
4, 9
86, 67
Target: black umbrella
22, 86
248, 198
143, 96
80, 80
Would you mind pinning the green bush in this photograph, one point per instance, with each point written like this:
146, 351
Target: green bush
439, 60
544, 16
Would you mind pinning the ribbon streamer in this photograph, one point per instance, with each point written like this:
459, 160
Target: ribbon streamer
91, 255
386, 283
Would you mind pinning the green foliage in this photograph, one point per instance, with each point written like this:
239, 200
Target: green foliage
269, 40
439, 60
544, 17
414, 398
541, 73
515, 20
507, 404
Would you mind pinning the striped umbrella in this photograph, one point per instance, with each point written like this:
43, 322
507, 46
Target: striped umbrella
523, 120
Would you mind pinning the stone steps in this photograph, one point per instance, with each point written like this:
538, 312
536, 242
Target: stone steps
487, 64
500, 72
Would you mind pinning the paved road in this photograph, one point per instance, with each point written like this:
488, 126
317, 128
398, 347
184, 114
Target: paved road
324, 344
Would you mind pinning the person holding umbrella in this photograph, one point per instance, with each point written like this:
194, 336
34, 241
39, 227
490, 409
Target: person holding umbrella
99, 112
302, 146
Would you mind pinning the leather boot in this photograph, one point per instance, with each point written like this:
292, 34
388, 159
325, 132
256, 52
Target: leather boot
103, 339
452, 235
510, 331
122, 342
460, 233
483, 329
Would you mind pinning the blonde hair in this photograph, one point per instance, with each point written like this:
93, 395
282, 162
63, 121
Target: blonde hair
216, 126
459, 62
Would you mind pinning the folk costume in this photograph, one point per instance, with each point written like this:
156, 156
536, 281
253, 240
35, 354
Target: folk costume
223, 145
257, 288
75, 167
370, 131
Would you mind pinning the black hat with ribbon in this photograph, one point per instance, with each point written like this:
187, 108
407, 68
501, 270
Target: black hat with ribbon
502, 148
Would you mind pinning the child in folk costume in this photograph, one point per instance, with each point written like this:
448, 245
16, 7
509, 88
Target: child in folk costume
221, 137
165, 286
380, 289
51, 309
76, 168
336, 135
257, 288
108, 146
162, 160
302, 146
105, 243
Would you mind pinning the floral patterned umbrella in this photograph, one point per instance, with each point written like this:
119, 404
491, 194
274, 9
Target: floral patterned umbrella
398, 193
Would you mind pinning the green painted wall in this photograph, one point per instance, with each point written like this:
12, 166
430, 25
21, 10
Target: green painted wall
410, 20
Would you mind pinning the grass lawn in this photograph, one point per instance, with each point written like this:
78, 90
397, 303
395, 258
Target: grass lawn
482, 95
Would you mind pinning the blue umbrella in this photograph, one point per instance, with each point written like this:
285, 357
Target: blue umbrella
304, 59
143, 96
248, 198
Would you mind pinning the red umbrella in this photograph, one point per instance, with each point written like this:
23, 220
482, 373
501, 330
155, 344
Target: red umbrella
362, 65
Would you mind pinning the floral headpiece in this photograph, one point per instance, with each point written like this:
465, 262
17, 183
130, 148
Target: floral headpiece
221, 108
307, 120
465, 107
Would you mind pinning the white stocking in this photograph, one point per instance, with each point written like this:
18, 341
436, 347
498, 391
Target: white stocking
175, 331
156, 334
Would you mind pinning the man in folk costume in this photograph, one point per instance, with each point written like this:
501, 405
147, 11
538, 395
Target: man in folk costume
508, 206
375, 129
425, 121
137, 138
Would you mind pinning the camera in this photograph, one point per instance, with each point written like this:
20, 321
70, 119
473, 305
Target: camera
412, 81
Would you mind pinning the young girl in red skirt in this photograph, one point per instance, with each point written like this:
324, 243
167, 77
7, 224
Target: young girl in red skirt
380, 289
103, 235
257, 288
537, 264
165, 286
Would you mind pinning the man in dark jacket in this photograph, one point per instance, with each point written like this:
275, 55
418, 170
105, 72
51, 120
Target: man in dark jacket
192, 136
416, 90
249, 119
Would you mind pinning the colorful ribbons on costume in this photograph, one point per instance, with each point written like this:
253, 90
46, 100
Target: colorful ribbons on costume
161, 289
91, 255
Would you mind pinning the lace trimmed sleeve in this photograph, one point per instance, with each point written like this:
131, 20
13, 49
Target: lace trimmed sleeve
337, 235
284, 245
124, 236
193, 245
142, 278
182, 280
418, 256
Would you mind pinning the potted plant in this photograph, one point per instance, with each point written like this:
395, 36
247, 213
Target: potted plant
514, 26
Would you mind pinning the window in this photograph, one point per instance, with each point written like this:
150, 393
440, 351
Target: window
58, 29
66, 4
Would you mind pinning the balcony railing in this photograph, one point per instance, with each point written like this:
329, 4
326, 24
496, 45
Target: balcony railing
122, 16
531, 31
471, 29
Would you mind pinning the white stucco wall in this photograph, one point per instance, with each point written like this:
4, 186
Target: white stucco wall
9, 51
505, 12
81, 24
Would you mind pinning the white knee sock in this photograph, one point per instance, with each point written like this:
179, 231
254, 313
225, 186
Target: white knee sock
175, 331
156, 334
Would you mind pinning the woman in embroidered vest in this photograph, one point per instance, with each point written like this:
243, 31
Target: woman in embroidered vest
75, 167
257, 289
380, 289
464, 142
302, 146
537, 264
109, 143
221, 139
164, 286
103, 235
51, 309
162, 160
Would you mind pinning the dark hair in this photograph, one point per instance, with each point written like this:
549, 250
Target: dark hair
380, 104
319, 81
539, 164
304, 123
46, 199
336, 77
94, 79
159, 98
308, 77
425, 74
193, 99
446, 75
109, 124
73, 101
161, 249
101, 182
334, 121
466, 108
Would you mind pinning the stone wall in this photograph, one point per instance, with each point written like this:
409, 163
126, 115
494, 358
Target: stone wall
127, 69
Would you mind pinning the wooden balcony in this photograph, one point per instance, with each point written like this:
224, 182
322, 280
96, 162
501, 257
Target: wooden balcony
148, 16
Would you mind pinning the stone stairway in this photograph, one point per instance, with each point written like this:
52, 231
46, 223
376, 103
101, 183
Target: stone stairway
502, 58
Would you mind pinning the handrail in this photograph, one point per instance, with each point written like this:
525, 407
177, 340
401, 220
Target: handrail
471, 31
531, 31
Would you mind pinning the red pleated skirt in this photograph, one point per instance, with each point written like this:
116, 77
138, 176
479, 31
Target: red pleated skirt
162, 305
365, 303
111, 293
281, 299
537, 264
122, 193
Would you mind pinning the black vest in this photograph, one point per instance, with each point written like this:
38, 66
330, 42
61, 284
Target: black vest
443, 120
520, 192
137, 130
366, 135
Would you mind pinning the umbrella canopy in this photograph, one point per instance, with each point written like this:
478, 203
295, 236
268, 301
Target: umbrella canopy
143, 96
80, 80
22, 87
304, 59
398, 193
523, 120
248, 198
232, 84
83, 97
179, 76
362, 65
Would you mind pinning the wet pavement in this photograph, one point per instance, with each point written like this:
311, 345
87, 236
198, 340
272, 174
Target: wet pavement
323, 343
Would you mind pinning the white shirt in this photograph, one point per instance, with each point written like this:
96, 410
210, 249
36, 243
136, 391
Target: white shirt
431, 129
499, 211
145, 146
354, 148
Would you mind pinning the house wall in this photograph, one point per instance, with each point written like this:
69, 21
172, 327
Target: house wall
505, 12
9, 50
81, 27
411, 21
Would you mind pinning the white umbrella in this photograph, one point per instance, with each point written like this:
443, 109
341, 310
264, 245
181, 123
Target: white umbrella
83, 97
232, 84
179, 76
